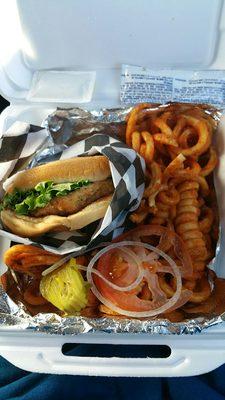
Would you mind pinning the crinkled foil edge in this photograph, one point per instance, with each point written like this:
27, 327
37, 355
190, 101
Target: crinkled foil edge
16, 318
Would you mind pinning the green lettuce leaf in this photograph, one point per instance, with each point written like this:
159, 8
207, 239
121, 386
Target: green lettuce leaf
25, 201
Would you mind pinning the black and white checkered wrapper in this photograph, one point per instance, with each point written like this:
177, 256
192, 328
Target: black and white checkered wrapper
18, 145
127, 169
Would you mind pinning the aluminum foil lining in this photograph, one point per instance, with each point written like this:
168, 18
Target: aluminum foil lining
68, 126
14, 316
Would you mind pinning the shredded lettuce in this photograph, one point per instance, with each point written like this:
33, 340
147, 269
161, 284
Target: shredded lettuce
25, 201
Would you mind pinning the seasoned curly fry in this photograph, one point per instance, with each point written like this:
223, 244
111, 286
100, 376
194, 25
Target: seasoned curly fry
203, 138
166, 134
166, 200
211, 164
193, 169
202, 291
144, 145
139, 216
177, 192
155, 185
32, 295
179, 127
105, 310
29, 259
133, 119
206, 222
163, 139
186, 221
177, 164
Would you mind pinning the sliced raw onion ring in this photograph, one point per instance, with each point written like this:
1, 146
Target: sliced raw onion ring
168, 239
127, 288
57, 265
128, 252
162, 309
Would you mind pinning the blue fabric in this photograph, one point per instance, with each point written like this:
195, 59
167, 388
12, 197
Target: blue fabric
18, 384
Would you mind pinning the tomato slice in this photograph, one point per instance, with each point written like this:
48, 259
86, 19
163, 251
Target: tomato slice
117, 271
126, 300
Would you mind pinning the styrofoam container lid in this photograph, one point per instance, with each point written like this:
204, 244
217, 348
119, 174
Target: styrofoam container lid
97, 35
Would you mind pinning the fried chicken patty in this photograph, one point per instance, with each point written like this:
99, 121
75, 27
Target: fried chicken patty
75, 201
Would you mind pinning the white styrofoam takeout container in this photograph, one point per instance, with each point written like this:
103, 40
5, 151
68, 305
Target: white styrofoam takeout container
98, 35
